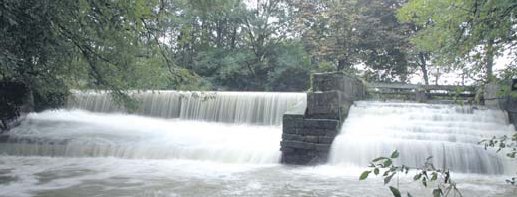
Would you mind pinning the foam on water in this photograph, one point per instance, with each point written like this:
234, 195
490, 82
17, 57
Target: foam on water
61, 176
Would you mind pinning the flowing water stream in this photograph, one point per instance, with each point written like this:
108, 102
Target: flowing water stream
178, 146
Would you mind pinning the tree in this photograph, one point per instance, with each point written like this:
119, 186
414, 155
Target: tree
348, 33
234, 45
463, 33
52, 46
383, 40
327, 29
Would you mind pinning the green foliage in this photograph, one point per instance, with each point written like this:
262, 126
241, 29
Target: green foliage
427, 173
463, 34
53, 46
272, 45
341, 34
196, 45
235, 46
327, 29
326, 66
505, 143
364, 175
509, 73
395, 191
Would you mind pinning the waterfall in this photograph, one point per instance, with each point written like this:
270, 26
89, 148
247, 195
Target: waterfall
448, 133
265, 108
230, 127
77, 133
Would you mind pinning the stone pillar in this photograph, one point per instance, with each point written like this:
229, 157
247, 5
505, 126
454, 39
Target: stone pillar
15, 101
511, 103
308, 134
492, 96
496, 97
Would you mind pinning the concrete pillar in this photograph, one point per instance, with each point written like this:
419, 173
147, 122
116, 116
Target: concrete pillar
504, 98
511, 103
308, 134
15, 101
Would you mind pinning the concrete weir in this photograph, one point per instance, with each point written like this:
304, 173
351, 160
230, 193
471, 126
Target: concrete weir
308, 132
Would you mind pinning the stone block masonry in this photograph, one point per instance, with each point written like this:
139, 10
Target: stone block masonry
511, 103
15, 101
504, 97
308, 133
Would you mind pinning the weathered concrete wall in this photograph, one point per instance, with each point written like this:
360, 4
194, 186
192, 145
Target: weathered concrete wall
308, 134
15, 101
511, 102
491, 96
496, 98
512, 111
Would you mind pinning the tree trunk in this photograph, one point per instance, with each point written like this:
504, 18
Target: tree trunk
437, 76
234, 34
342, 64
423, 67
489, 61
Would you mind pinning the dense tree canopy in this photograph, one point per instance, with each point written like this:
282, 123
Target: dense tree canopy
53, 46
254, 45
346, 33
466, 33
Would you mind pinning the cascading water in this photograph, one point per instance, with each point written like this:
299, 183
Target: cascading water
448, 133
176, 134
84, 134
71, 152
265, 108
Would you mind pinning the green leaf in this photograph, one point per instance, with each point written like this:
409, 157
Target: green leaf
425, 174
424, 182
395, 154
395, 191
364, 175
376, 171
417, 176
437, 192
386, 173
434, 177
387, 162
388, 178
409, 195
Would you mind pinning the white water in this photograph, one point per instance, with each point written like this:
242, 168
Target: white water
265, 108
65, 176
449, 133
80, 153
85, 134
